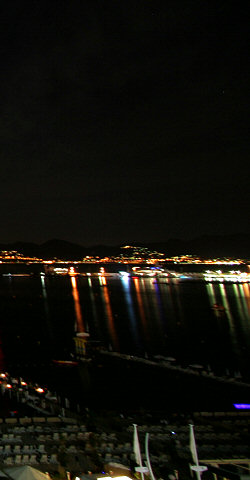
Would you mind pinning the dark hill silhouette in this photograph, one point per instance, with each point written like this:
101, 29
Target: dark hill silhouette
62, 249
235, 246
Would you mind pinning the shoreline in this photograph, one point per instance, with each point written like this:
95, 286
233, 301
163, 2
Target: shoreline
123, 383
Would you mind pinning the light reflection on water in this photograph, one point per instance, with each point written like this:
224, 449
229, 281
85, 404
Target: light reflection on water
141, 307
109, 315
79, 326
133, 317
139, 316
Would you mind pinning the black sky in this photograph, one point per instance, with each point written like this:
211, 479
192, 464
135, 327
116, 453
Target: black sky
123, 121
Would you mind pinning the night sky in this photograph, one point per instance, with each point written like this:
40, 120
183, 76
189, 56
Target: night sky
123, 120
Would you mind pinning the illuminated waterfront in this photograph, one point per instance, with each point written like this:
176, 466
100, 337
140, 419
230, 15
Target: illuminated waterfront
139, 316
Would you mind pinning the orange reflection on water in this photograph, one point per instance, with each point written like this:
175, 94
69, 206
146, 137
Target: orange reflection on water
110, 317
78, 312
102, 280
140, 303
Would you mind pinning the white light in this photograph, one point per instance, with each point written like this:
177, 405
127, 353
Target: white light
122, 477
39, 390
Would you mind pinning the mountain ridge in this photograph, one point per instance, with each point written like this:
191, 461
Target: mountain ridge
233, 245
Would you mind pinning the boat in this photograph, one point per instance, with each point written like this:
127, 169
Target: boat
233, 276
66, 363
218, 308
145, 272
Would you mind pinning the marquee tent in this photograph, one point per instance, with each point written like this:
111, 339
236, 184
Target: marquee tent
24, 472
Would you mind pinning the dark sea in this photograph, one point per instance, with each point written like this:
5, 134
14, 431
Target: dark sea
142, 317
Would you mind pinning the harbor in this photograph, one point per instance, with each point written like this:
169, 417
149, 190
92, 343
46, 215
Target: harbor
102, 351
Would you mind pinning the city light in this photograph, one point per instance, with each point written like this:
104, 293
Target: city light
242, 406
39, 390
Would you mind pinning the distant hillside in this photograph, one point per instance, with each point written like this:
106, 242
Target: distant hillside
60, 249
49, 250
206, 246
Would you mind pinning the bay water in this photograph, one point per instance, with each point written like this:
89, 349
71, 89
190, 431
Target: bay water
146, 317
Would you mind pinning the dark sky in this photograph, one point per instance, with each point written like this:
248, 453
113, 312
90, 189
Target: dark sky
123, 120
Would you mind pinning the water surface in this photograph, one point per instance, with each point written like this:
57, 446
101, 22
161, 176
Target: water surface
144, 317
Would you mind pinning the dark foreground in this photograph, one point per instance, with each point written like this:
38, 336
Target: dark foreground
116, 384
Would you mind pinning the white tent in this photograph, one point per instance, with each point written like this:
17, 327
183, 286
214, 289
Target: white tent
25, 472
118, 465
117, 469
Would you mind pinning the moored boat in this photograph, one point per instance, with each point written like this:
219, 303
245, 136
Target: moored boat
66, 363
